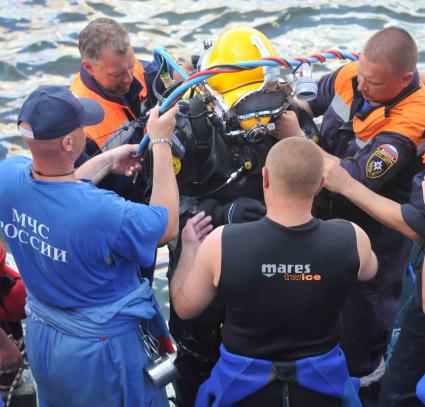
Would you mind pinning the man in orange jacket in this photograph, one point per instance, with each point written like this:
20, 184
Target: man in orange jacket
373, 121
122, 84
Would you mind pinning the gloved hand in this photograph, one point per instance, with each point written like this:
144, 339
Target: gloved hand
238, 211
241, 210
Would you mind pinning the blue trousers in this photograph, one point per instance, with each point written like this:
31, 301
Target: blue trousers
93, 356
77, 372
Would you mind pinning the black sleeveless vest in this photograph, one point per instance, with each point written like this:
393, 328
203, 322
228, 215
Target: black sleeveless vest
283, 288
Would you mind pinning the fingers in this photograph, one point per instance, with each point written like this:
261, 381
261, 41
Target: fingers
162, 126
132, 169
203, 227
133, 149
154, 112
204, 232
197, 218
127, 152
201, 224
173, 111
170, 115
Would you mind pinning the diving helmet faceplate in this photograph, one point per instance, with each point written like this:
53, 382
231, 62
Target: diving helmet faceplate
256, 96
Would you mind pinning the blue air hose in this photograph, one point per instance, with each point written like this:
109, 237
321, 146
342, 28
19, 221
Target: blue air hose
180, 90
159, 52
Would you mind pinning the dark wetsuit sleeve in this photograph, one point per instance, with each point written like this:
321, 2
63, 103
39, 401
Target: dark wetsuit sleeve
325, 94
381, 161
413, 212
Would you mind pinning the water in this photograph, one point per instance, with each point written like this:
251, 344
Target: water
39, 38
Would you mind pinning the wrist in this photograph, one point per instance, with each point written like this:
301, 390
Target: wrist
189, 250
348, 187
108, 160
160, 141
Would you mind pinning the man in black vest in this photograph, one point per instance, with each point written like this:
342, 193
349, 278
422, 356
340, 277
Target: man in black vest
283, 281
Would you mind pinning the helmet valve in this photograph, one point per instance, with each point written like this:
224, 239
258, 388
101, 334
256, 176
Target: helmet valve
305, 85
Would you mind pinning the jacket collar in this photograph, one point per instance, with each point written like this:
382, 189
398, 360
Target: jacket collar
126, 100
411, 88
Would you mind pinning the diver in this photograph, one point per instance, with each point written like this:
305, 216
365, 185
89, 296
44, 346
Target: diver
223, 134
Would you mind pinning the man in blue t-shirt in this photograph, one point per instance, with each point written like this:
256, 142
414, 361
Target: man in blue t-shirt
78, 249
407, 364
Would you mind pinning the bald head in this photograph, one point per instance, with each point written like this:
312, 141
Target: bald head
393, 46
295, 167
44, 148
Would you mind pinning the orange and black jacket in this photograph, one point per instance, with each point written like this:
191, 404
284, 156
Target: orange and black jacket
124, 121
377, 145
118, 125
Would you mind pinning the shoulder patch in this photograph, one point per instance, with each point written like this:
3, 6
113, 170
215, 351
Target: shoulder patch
383, 158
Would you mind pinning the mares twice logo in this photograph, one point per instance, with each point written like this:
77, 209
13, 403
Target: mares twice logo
290, 272
384, 157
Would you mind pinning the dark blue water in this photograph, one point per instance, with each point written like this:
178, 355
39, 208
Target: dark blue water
38, 39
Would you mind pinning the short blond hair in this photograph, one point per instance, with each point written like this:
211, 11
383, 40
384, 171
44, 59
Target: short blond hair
295, 168
393, 46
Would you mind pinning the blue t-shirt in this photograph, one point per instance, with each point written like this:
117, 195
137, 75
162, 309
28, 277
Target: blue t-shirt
74, 244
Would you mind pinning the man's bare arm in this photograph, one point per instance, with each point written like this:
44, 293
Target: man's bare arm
194, 283
384, 210
120, 160
164, 184
368, 261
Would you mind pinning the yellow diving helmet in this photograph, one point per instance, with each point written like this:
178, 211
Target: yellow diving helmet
246, 93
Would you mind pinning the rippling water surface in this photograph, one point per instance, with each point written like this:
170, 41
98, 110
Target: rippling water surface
38, 39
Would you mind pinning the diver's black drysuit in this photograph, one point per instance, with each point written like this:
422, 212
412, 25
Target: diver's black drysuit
201, 175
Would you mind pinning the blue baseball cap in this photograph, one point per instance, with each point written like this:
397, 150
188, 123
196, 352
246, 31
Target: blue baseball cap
54, 111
